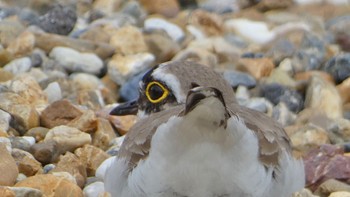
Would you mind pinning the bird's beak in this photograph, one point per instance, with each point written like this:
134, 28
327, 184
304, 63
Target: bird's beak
128, 108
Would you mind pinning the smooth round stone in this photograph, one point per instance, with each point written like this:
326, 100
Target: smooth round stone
74, 61
174, 31
259, 104
94, 189
20, 143
59, 20
224, 6
129, 90
121, 68
27, 191
53, 92
7, 142
5, 119
48, 167
20, 65
339, 67
236, 78
277, 93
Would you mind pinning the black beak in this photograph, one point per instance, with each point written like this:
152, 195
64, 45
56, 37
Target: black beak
128, 108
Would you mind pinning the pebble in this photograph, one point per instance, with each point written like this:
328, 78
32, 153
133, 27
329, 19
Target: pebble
53, 92
91, 157
128, 40
277, 93
338, 67
236, 78
58, 113
257, 67
59, 20
26, 162
20, 65
51, 185
94, 189
8, 167
7, 192
26, 192
324, 96
67, 138
74, 61
5, 119
71, 164
174, 31
121, 68
103, 135
46, 151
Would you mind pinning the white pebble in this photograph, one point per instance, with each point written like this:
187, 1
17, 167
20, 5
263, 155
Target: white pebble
174, 31
53, 92
94, 189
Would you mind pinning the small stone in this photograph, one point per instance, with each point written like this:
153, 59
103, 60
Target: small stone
20, 143
86, 122
330, 186
45, 152
236, 78
23, 45
129, 90
282, 114
8, 167
210, 24
74, 61
128, 40
308, 137
344, 90
65, 175
5, 119
121, 68
20, 65
326, 162
259, 104
47, 42
85, 81
7, 192
123, 123
168, 8
161, 45
94, 189
7, 142
51, 185
199, 55
26, 163
91, 157
70, 163
26, 192
307, 75
38, 133
225, 6
174, 31
324, 96
59, 113
67, 138
281, 77
5, 75
103, 134
10, 30
277, 93
258, 68
53, 92
339, 194
304, 193
47, 168
338, 67
59, 20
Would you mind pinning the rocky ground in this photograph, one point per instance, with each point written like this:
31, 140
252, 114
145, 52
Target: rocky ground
64, 62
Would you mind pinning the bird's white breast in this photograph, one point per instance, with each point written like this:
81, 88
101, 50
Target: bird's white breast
193, 156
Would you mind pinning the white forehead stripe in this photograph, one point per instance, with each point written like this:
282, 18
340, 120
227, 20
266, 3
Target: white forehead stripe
171, 81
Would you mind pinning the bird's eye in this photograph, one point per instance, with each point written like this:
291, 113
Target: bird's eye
156, 92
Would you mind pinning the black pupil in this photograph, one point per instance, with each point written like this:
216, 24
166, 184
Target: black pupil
155, 92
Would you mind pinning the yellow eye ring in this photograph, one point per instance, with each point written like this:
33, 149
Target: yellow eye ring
161, 97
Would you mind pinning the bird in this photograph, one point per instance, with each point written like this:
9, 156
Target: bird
192, 139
